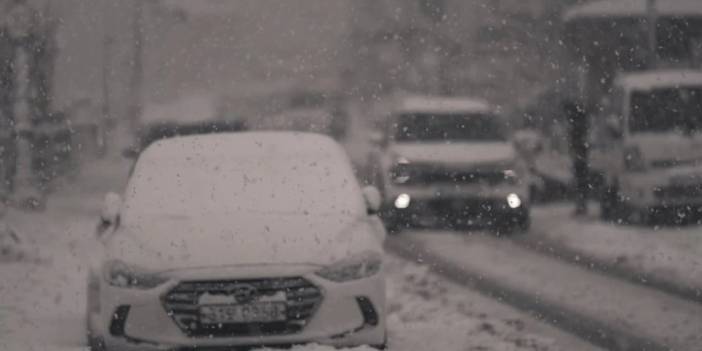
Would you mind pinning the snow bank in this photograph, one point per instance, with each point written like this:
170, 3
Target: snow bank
669, 254
427, 313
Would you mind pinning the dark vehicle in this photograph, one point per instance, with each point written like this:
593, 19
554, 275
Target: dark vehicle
165, 130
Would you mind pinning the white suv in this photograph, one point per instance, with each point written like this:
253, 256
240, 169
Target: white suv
448, 161
647, 146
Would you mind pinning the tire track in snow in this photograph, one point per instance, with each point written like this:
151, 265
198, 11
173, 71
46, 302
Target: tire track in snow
556, 250
598, 331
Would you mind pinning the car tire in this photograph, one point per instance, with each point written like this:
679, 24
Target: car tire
524, 225
514, 226
95, 342
392, 225
535, 194
382, 346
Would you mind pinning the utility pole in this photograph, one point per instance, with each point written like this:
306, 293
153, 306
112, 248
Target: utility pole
8, 143
137, 78
652, 21
106, 119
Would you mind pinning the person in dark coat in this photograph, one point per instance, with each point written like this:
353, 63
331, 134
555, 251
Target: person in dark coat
578, 132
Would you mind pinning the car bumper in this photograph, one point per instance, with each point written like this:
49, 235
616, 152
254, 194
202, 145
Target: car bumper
476, 206
348, 314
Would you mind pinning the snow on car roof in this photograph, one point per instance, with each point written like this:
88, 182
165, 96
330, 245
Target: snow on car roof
632, 8
659, 79
436, 104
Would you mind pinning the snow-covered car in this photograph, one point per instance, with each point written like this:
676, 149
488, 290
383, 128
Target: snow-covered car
243, 239
647, 145
448, 160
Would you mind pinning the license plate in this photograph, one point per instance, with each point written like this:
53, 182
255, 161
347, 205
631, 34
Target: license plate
261, 312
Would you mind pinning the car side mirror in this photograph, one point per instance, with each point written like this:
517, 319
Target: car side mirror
373, 199
130, 153
111, 207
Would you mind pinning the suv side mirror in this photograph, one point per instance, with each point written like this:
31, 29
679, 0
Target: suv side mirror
373, 199
111, 206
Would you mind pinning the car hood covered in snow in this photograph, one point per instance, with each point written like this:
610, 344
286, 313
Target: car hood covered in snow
456, 153
162, 243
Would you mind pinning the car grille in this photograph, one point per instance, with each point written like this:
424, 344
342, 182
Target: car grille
427, 174
471, 205
303, 298
672, 192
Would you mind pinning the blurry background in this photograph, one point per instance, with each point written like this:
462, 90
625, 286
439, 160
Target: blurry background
504, 50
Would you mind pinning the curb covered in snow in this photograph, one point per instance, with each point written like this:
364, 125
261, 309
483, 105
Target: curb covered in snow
584, 327
614, 269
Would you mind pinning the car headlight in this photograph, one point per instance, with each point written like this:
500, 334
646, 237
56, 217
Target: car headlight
122, 275
514, 201
357, 267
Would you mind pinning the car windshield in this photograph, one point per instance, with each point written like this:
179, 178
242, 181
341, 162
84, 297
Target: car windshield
198, 186
663, 110
448, 127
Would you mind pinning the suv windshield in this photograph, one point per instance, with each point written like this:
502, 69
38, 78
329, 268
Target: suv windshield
663, 110
448, 127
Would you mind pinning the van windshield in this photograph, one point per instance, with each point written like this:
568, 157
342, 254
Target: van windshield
670, 109
448, 127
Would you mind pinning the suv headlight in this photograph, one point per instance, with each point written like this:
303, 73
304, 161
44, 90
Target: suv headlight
122, 275
357, 267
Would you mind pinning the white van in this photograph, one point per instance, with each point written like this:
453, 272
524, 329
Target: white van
647, 145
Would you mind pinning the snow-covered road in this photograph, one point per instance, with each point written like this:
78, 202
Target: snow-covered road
582, 301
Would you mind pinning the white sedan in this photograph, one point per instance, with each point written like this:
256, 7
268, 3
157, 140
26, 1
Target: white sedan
246, 239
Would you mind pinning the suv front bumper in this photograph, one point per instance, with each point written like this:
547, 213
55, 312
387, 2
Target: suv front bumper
492, 207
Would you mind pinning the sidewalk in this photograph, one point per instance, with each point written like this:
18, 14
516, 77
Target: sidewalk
42, 300
669, 257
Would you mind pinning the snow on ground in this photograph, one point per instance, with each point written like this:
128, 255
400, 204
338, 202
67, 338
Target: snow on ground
668, 253
585, 295
42, 297
428, 313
